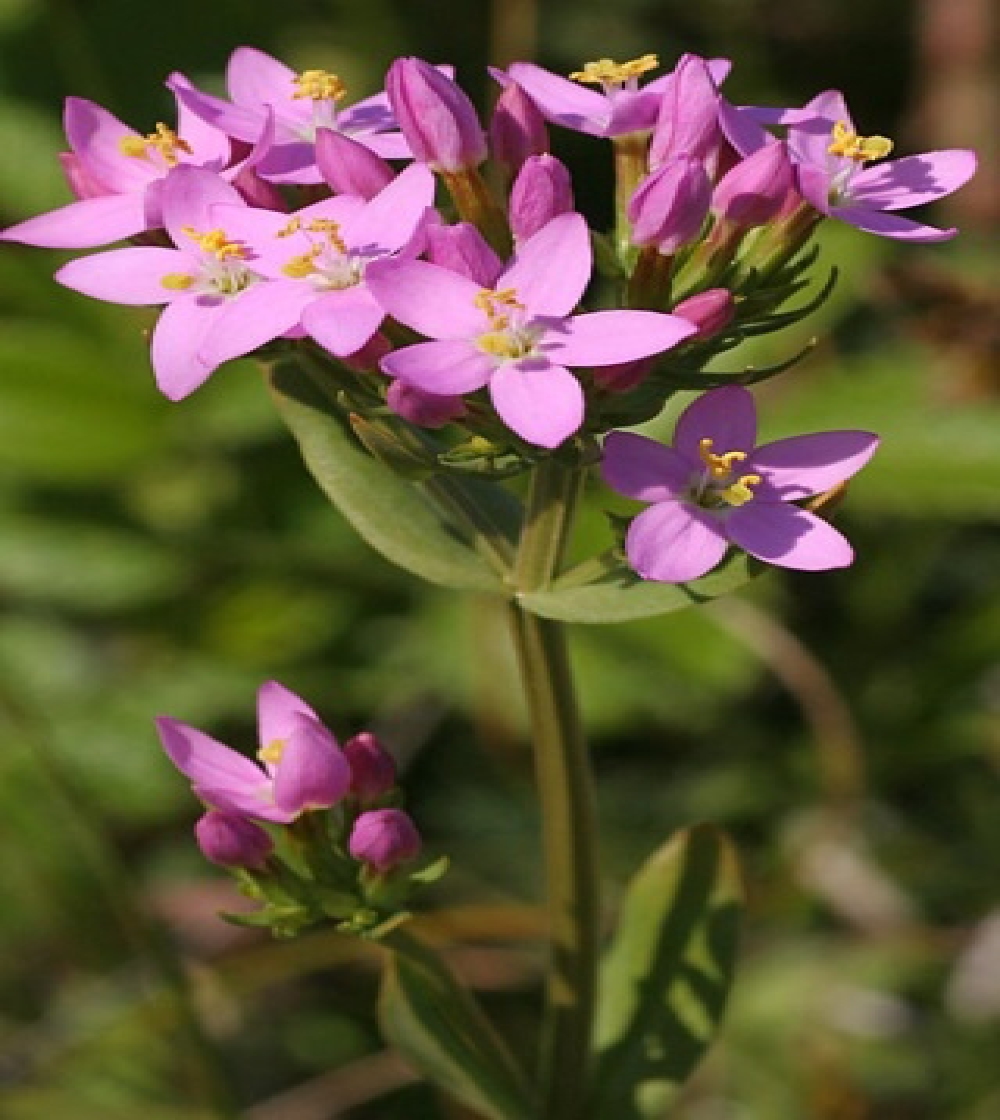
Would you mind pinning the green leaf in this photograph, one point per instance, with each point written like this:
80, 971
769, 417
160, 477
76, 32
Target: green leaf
666, 975
436, 1025
388, 512
621, 597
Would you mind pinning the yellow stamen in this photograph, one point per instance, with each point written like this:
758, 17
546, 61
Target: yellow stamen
272, 752
177, 281
605, 70
331, 229
490, 304
740, 493
134, 146
719, 466
304, 264
846, 142
293, 226
217, 243
164, 140
319, 85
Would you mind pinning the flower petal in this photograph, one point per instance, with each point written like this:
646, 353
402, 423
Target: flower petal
672, 542
542, 404
449, 367
94, 134
914, 180
260, 313
207, 762
256, 80
809, 138
562, 101
805, 465
84, 224
177, 340
278, 710
130, 276
643, 469
783, 534
343, 321
233, 120
550, 271
890, 225
726, 416
189, 193
605, 338
432, 300
390, 220
313, 772
209, 144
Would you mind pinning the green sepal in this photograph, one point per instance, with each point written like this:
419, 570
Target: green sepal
621, 596
387, 512
666, 976
432, 872
437, 1025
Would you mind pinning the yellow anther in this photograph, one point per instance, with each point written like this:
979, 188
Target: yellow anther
134, 146
319, 85
216, 242
846, 142
272, 752
606, 70
331, 231
492, 305
719, 466
304, 264
177, 281
740, 493
293, 226
164, 140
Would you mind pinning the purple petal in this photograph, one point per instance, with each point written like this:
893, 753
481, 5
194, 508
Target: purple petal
207, 762
914, 180
551, 270
726, 416
83, 225
562, 101
605, 338
259, 314
742, 128
388, 145
313, 772
542, 404
673, 542
189, 193
209, 145
432, 300
783, 534
449, 367
343, 321
890, 225
256, 79
633, 110
278, 711
177, 340
805, 465
371, 114
130, 276
233, 120
94, 134
809, 139
290, 162
390, 220
643, 469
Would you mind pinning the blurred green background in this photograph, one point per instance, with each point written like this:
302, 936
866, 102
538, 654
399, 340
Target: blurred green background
161, 558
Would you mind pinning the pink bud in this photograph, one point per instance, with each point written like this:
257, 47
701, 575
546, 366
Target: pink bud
438, 120
257, 192
542, 191
81, 182
384, 838
517, 129
688, 121
312, 772
366, 359
624, 376
373, 771
462, 248
426, 410
754, 191
670, 206
232, 841
349, 167
709, 311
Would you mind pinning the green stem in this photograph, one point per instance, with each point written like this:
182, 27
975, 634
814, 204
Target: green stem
565, 791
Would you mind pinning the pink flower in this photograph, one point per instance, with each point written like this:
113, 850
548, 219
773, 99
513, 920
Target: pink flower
373, 770
688, 120
518, 336
541, 191
384, 838
302, 767
756, 190
714, 488
670, 206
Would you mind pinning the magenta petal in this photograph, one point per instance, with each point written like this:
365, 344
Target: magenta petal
94, 134
256, 79
783, 534
389, 221
177, 340
432, 300
207, 762
278, 712
605, 338
449, 367
726, 416
84, 224
551, 270
343, 321
189, 193
809, 138
890, 225
240, 123
801, 466
914, 180
643, 469
313, 772
673, 542
130, 276
209, 145
542, 404
260, 313
567, 103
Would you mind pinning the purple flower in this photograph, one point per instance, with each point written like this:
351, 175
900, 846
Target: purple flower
832, 176
517, 336
348, 167
384, 838
232, 841
302, 766
714, 488
541, 191
260, 87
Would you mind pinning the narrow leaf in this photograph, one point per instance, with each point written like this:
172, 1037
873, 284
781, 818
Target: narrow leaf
666, 976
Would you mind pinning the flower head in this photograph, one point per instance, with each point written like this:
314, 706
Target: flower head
714, 488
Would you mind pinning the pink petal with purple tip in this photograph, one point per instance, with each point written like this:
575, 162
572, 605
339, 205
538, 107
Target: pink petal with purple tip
129, 276
178, 338
801, 466
278, 712
450, 367
726, 416
643, 469
83, 225
543, 404
913, 181
673, 542
343, 321
432, 300
604, 338
551, 270
783, 534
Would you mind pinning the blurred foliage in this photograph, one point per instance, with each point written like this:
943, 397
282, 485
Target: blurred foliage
161, 558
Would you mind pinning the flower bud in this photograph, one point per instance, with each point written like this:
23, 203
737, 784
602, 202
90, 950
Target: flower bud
623, 376
384, 838
670, 206
373, 771
311, 771
438, 120
462, 248
542, 191
366, 359
425, 410
517, 129
710, 311
688, 120
232, 841
349, 167
81, 182
754, 192
257, 191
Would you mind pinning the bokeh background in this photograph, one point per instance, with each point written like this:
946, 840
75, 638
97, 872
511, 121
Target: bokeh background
161, 558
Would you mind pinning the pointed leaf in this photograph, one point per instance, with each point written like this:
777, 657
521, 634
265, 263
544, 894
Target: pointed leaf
666, 975
437, 1026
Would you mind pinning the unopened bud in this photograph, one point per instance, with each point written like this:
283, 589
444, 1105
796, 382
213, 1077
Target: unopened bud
688, 121
756, 190
232, 841
462, 248
425, 410
256, 191
349, 167
624, 376
710, 311
438, 120
384, 838
542, 191
373, 771
670, 206
517, 129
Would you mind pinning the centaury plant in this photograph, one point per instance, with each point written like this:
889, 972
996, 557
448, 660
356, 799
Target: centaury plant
456, 351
